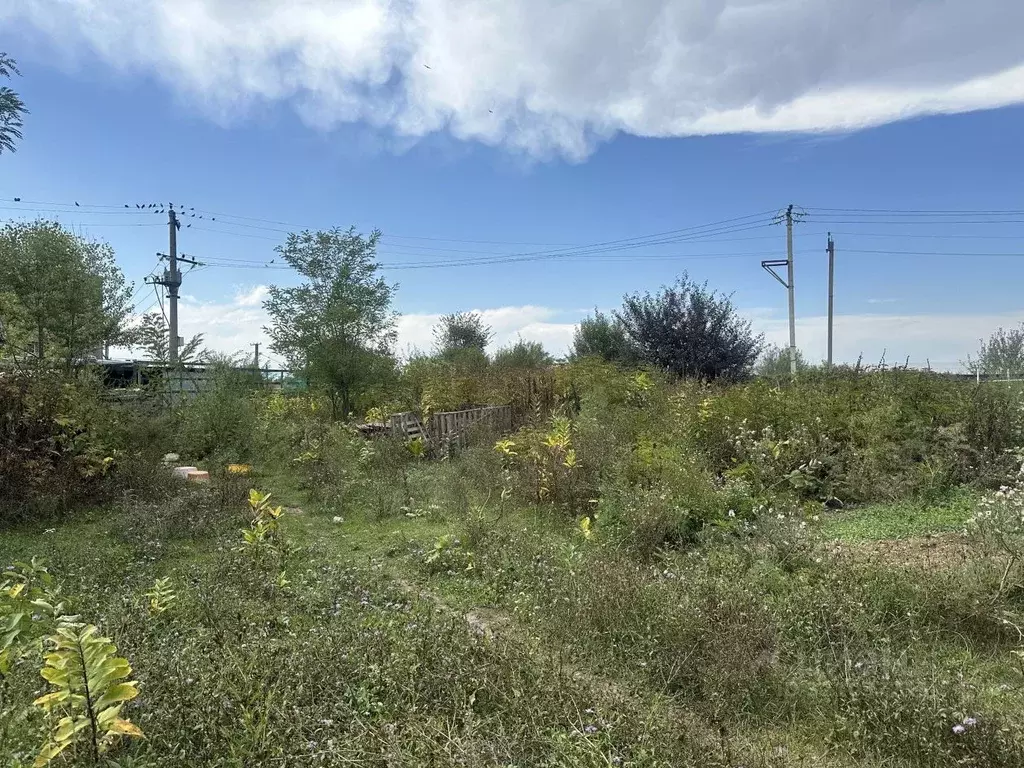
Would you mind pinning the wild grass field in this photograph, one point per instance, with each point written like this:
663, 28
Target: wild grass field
647, 572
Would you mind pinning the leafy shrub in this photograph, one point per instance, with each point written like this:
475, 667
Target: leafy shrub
90, 692
999, 523
540, 462
183, 512
49, 460
889, 708
649, 521
220, 420
332, 465
871, 435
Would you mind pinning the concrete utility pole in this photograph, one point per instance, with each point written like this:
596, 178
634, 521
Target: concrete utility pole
831, 295
172, 280
769, 265
792, 296
256, 356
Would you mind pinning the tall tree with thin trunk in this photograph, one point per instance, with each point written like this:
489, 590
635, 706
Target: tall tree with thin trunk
154, 337
337, 325
61, 294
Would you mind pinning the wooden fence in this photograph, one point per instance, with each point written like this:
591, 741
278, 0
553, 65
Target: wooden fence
448, 428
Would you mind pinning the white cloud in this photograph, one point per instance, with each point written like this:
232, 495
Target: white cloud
231, 327
253, 297
557, 77
228, 327
531, 323
944, 341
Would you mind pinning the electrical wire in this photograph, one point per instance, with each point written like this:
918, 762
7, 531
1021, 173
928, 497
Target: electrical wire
702, 233
44, 202
929, 253
919, 212
919, 235
911, 222
147, 310
237, 234
77, 210
226, 264
160, 301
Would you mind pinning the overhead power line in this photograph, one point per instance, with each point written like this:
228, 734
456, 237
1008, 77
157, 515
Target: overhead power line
972, 254
930, 236
918, 212
226, 263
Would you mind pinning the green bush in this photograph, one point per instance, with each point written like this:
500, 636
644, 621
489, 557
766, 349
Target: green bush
50, 459
924, 716
221, 419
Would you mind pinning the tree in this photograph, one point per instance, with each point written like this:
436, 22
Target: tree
689, 330
1003, 353
338, 324
523, 355
11, 107
774, 362
601, 336
153, 336
60, 293
459, 331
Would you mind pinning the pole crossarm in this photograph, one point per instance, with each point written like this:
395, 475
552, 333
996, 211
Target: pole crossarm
768, 266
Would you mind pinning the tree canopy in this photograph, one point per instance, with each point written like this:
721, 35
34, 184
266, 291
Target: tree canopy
523, 355
774, 362
689, 330
12, 108
459, 331
337, 325
601, 336
153, 336
61, 296
1003, 353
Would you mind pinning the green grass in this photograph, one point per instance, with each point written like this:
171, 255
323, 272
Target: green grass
901, 520
720, 656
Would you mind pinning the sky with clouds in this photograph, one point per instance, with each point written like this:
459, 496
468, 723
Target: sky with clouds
482, 129
940, 340
558, 77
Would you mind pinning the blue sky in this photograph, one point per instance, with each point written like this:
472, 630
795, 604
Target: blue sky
416, 152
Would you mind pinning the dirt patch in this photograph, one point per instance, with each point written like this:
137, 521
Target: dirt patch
947, 550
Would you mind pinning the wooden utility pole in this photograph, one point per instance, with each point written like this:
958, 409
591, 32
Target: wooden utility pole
831, 284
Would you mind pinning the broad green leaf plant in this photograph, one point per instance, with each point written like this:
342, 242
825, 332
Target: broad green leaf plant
264, 530
161, 596
90, 688
29, 599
